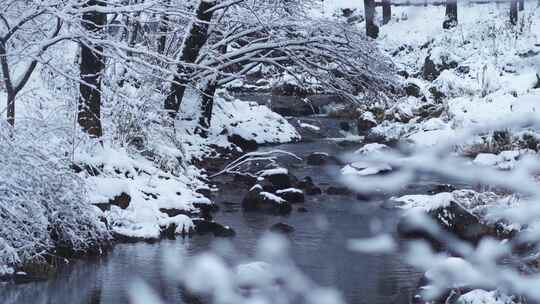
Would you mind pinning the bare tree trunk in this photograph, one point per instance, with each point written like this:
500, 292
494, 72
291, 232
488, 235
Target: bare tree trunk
521, 5
372, 30
386, 11
13, 88
11, 109
513, 12
91, 68
207, 105
451, 19
163, 30
192, 45
10, 90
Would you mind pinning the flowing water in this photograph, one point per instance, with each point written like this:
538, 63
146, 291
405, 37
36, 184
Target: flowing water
318, 246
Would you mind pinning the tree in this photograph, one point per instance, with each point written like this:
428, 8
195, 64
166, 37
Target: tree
513, 12
92, 65
372, 30
451, 14
163, 30
521, 4
14, 25
387, 11
207, 105
192, 45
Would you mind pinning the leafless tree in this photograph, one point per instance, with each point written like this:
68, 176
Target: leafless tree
513, 12
372, 30
92, 64
16, 45
451, 19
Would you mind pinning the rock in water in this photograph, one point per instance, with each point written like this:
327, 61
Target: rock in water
366, 122
460, 222
317, 159
308, 186
278, 177
292, 195
259, 200
321, 159
282, 228
247, 145
454, 219
205, 226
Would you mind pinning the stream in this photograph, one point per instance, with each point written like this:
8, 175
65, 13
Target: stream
318, 245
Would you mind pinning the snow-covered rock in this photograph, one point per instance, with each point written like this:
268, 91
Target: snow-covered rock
479, 296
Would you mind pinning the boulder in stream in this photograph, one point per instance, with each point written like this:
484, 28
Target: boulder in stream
247, 145
278, 177
258, 200
308, 186
292, 195
453, 218
366, 122
320, 159
204, 226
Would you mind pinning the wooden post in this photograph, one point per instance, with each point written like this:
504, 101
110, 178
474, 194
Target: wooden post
372, 30
521, 4
451, 19
386, 11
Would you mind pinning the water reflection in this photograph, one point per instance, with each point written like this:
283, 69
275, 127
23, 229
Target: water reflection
318, 249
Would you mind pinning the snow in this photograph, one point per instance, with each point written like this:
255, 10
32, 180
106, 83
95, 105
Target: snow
479, 296
371, 148
276, 171
231, 116
272, 197
505, 160
289, 190
381, 243
369, 116
487, 159
362, 168
6, 270
149, 188
424, 202
183, 223
309, 126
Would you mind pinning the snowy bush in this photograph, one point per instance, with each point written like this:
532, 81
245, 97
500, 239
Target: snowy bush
43, 204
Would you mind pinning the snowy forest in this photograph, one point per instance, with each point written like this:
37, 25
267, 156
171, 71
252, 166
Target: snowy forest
269, 151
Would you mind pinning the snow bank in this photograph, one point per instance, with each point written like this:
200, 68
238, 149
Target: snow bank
150, 190
231, 116
485, 204
479, 296
506, 160
425, 202
492, 78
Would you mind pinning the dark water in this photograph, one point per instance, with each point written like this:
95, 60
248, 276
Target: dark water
317, 246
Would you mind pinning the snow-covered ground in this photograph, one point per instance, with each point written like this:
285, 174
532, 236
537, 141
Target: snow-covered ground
491, 73
139, 179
